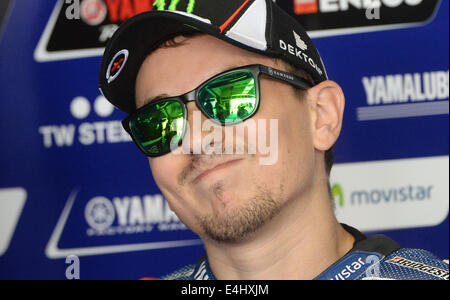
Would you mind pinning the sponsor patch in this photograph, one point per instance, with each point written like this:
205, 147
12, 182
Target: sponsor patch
430, 270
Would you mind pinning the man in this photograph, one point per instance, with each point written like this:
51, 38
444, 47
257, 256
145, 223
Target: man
229, 64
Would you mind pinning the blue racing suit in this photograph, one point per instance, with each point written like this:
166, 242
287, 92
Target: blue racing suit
374, 258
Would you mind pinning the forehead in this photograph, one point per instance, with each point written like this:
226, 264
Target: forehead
177, 70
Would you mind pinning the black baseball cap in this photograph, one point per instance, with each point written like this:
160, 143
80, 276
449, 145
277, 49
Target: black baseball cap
259, 26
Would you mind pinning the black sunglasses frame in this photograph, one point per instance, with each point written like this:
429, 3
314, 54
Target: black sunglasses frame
256, 70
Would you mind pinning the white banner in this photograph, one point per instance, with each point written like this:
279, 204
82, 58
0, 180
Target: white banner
393, 194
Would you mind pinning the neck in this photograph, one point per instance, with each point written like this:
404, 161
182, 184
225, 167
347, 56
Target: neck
299, 243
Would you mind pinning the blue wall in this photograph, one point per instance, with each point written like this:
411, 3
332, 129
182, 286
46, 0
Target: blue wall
67, 171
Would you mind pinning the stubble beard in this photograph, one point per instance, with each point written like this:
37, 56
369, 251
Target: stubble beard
236, 224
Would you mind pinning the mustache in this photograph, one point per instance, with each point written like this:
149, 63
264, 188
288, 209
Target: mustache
198, 161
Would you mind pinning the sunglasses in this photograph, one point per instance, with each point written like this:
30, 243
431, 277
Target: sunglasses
228, 98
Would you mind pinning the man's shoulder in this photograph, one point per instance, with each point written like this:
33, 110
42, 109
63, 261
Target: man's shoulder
184, 273
380, 258
198, 271
411, 264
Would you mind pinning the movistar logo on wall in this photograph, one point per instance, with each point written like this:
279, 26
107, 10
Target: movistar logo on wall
391, 194
378, 196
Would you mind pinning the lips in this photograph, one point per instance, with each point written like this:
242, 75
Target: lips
208, 170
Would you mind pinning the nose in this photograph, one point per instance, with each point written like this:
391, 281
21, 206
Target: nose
203, 136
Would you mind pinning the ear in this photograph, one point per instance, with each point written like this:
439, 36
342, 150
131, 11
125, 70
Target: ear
327, 104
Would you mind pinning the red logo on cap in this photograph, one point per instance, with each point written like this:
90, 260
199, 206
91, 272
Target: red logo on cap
116, 65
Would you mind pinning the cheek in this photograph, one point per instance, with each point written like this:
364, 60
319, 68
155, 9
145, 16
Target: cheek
161, 168
166, 171
287, 143
294, 163
295, 132
282, 105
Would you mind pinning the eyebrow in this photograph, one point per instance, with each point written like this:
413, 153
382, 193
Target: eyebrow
162, 96
159, 97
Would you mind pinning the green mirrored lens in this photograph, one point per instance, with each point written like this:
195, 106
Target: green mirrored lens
229, 98
159, 128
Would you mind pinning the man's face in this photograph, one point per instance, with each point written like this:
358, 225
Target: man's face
227, 197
